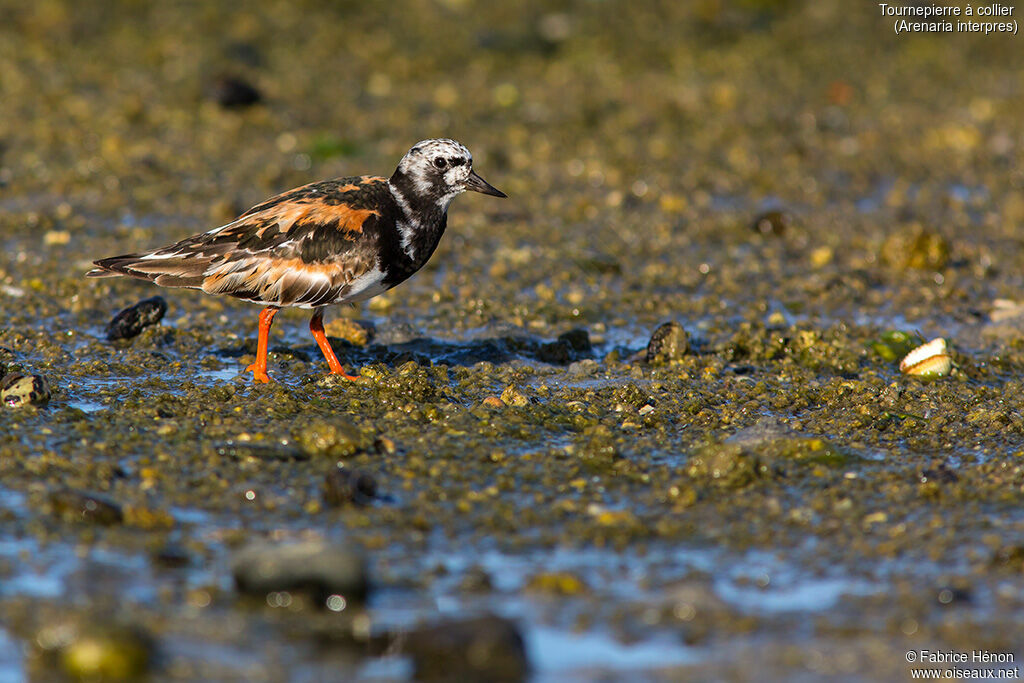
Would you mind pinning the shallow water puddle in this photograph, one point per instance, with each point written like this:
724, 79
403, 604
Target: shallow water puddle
12, 657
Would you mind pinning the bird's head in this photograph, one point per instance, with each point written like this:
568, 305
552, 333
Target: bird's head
440, 170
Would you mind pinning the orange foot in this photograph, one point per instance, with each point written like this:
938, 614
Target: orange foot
258, 374
345, 375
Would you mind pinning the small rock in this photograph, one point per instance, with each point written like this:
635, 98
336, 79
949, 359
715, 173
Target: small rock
485, 648
318, 568
772, 223
343, 486
811, 450
132, 320
578, 339
17, 390
84, 506
560, 583
352, 331
939, 473
582, 368
596, 447
1011, 556
1006, 309
172, 555
147, 518
727, 465
949, 595
384, 445
476, 580
668, 343
96, 651
232, 92
600, 264
556, 352
493, 402
918, 249
512, 396
335, 438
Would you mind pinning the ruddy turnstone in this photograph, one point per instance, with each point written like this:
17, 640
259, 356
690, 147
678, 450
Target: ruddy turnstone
334, 241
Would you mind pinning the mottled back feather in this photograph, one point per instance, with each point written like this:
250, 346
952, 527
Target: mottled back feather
311, 246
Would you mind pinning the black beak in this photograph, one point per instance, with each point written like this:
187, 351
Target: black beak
478, 184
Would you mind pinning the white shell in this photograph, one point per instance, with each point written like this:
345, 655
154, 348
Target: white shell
929, 360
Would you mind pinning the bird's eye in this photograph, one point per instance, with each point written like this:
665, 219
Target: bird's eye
440, 162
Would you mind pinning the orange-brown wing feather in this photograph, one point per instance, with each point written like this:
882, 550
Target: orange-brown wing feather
304, 247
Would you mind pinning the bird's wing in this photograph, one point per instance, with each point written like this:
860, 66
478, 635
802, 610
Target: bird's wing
306, 247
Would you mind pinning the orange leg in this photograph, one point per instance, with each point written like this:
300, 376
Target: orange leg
316, 326
259, 368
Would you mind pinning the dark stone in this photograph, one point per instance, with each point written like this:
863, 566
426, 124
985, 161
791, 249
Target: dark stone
17, 390
132, 320
319, 569
954, 595
939, 473
84, 506
556, 352
771, 223
599, 264
484, 648
172, 555
578, 339
349, 487
476, 580
668, 343
232, 92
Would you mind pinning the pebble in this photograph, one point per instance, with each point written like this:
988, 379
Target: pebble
486, 648
337, 438
578, 339
583, 368
17, 390
131, 321
96, 651
233, 92
556, 352
512, 396
917, 248
354, 332
728, 466
84, 506
343, 486
321, 569
559, 583
668, 343
772, 223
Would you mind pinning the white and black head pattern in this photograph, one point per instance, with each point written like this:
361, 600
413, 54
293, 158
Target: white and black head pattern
434, 172
437, 169
428, 178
